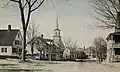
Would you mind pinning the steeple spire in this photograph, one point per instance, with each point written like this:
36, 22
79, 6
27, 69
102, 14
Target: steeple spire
57, 26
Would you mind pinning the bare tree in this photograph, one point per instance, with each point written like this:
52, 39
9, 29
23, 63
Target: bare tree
91, 51
32, 31
27, 7
100, 48
39, 43
108, 12
40, 46
71, 45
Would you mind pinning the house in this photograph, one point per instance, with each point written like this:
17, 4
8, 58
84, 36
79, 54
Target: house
77, 53
90, 52
113, 43
113, 46
66, 54
47, 49
10, 42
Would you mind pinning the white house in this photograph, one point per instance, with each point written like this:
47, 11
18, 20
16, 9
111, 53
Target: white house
113, 43
66, 53
10, 42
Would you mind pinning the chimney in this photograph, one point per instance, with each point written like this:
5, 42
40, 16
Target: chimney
41, 35
9, 27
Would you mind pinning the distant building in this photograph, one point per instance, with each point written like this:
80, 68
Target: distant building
77, 53
90, 52
10, 42
66, 54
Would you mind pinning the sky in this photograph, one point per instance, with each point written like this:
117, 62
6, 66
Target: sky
75, 20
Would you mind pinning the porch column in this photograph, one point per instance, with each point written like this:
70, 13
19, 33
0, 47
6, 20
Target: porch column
112, 55
109, 55
45, 53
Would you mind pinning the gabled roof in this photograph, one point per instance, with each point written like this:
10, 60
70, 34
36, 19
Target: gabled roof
7, 37
43, 42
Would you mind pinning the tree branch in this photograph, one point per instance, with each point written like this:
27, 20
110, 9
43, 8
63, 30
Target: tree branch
15, 1
107, 9
38, 6
33, 2
6, 4
25, 5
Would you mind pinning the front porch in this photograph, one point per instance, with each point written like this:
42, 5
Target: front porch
113, 55
16, 51
113, 47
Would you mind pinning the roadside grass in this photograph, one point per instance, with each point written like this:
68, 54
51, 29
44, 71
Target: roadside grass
47, 62
25, 70
30, 66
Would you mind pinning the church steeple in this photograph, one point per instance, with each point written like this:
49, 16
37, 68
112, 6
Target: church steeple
57, 26
57, 37
57, 22
57, 30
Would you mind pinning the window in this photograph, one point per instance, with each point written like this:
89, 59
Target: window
117, 51
116, 38
3, 49
20, 42
17, 42
13, 50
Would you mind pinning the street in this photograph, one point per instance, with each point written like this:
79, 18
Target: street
81, 67
13, 65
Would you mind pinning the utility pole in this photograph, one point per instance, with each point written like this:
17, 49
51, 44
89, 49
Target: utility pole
50, 51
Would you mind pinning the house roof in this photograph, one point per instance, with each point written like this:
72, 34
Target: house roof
111, 34
43, 42
7, 37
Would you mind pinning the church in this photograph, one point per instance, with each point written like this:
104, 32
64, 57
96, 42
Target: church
51, 49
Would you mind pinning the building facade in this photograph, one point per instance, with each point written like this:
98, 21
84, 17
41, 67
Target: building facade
10, 42
59, 47
113, 43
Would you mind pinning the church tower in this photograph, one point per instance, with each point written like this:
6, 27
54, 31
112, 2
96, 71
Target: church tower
56, 36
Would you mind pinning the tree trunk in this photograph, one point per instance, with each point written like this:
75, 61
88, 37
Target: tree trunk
24, 45
40, 55
97, 57
50, 52
32, 50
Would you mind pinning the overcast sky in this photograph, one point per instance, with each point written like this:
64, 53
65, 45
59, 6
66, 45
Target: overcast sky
75, 20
